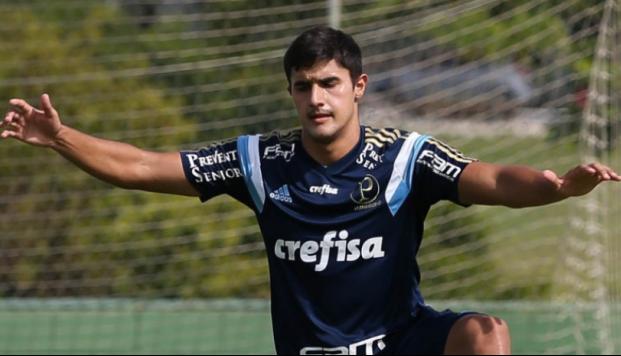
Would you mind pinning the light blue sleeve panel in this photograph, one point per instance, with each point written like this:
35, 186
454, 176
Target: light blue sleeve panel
401, 180
250, 162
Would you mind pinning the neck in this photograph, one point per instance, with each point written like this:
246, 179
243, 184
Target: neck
326, 153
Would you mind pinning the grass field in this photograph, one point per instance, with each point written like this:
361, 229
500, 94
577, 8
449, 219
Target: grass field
106, 326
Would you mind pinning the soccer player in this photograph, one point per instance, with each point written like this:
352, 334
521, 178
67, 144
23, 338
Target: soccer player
341, 206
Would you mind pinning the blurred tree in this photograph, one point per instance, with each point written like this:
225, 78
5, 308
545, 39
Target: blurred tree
66, 234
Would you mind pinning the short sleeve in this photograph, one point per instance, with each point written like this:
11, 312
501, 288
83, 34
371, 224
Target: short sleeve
437, 171
215, 170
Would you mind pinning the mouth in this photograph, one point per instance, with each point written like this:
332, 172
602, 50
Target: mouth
320, 117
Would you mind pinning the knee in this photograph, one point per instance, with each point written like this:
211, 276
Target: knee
479, 335
490, 335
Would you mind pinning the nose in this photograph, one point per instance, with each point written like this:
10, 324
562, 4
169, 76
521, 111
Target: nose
317, 96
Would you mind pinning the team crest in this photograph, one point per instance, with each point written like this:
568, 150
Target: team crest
366, 193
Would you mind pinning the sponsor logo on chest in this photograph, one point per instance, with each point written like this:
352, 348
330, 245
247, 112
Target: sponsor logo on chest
324, 189
319, 252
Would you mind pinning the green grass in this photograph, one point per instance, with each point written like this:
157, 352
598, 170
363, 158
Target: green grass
134, 327
106, 326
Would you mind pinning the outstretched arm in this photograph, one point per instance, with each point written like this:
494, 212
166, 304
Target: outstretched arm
114, 162
519, 187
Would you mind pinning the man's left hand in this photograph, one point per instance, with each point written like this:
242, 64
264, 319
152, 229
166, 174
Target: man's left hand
582, 179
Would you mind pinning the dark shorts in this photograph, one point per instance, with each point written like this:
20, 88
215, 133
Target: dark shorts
425, 335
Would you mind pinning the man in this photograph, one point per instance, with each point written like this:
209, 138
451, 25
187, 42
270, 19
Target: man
341, 206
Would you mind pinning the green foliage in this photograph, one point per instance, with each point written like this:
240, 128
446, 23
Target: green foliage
65, 233
209, 44
477, 36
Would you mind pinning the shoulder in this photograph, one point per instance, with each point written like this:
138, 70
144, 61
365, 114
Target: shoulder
393, 142
276, 144
282, 136
390, 139
382, 137
439, 147
285, 138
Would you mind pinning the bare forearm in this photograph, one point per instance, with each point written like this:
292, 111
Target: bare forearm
512, 186
521, 187
109, 161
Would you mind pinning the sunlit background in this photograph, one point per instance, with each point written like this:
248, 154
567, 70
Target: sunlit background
88, 268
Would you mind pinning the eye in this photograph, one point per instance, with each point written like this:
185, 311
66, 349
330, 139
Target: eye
329, 83
301, 86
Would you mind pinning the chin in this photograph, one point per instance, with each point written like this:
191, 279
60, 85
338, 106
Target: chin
321, 134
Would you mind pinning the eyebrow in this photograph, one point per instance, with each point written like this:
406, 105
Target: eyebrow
326, 80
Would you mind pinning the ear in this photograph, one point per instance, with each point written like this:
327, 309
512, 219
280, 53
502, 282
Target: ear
360, 86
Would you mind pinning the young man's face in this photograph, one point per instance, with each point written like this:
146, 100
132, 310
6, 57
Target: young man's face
326, 99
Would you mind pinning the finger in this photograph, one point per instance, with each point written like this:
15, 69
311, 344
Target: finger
604, 176
10, 118
7, 118
19, 119
596, 170
8, 133
613, 175
590, 169
12, 126
16, 117
602, 171
20, 105
46, 105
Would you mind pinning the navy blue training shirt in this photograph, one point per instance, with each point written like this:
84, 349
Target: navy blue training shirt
341, 240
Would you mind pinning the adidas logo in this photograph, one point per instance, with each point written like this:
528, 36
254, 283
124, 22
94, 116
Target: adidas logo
282, 194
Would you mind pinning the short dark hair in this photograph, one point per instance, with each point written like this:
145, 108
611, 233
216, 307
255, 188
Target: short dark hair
323, 43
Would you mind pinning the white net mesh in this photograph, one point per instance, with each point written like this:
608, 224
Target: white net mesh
597, 216
506, 82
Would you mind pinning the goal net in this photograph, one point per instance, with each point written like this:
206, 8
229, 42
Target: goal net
88, 268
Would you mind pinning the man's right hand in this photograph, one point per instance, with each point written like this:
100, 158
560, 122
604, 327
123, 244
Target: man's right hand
114, 162
31, 125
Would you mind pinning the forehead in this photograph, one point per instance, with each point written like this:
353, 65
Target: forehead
323, 69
